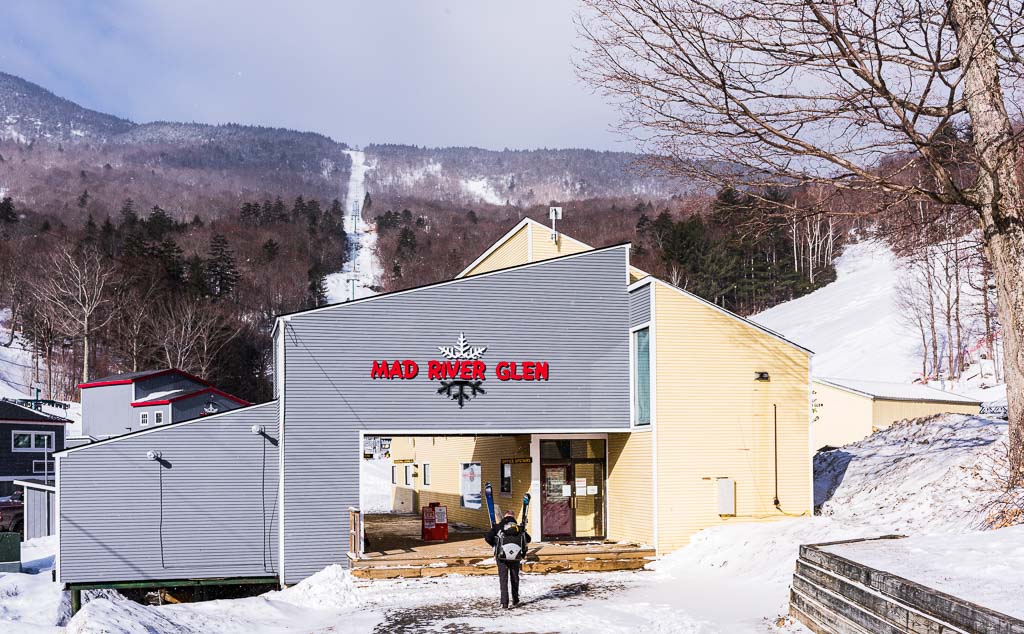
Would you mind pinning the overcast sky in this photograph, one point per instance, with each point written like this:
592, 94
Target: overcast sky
450, 72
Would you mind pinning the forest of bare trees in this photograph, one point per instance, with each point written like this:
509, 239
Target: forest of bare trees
138, 290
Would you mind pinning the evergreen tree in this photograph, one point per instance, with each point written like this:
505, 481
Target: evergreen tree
108, 238
172, 261
8, 214
271, 249
406, 248
196, 276
298, 209
221, 272
158, 224
129, 217
83, 199
316, 291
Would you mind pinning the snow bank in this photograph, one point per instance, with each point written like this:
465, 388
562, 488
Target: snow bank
31, 603
934, 475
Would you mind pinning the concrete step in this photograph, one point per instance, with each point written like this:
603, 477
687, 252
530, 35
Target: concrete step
540, 556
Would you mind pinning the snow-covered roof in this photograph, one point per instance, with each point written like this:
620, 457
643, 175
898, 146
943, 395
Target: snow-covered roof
897, 391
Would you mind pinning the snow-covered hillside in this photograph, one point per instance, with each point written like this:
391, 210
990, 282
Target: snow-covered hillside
852, 324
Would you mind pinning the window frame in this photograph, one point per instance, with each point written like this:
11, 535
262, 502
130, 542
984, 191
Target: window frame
50, 464
158, 418
426, 474
143, 419
52, 442
394, 474
407, 475
634, 378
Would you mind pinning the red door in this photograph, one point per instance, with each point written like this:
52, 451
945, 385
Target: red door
556, 502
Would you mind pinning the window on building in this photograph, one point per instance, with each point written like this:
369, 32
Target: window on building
158, 418
642, 376
506, 477
394, 474
42, 467
426, 474
408, 475
32, 441
144, 419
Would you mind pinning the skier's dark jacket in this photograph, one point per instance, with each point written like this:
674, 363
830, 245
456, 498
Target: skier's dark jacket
492, 536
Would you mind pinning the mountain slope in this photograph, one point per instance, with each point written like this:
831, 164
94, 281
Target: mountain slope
852, 324
29, 112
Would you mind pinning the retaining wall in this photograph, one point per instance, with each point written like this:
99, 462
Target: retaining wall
835, 595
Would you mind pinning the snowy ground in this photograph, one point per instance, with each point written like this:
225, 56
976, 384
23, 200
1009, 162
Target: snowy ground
359, 275
934, 479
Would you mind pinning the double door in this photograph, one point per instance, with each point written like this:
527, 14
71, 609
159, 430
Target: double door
572, 491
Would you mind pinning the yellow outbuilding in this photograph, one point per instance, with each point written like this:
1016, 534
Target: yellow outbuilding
848, 410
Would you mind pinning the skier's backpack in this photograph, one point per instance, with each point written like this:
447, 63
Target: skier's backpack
510, 544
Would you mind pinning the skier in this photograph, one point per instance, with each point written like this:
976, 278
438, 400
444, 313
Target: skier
509, 540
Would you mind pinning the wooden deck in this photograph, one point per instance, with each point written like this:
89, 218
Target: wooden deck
393, 549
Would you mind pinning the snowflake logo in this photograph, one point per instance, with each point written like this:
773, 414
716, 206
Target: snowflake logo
462, 390
462, 349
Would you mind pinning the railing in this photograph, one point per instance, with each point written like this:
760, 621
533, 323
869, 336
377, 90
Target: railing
355, 533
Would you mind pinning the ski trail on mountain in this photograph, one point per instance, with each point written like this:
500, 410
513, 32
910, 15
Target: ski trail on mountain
359, 275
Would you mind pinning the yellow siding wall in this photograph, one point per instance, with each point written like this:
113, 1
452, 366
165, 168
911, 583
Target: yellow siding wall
513, 252
713, 420
545, 249
630, 487
842, 417
445, 455
885, 413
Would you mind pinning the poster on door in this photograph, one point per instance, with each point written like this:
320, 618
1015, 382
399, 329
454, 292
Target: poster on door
470, 485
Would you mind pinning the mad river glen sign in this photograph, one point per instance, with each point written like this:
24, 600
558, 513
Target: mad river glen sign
461, 373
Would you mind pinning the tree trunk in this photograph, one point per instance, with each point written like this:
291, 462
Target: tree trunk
997, 197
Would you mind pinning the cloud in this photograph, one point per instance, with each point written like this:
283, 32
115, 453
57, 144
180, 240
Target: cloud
428, 73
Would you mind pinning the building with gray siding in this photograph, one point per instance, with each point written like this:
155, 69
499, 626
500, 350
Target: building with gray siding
543, 349
123, 403
40, 500
28, 440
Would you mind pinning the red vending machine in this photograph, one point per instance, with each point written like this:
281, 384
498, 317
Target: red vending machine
435, 523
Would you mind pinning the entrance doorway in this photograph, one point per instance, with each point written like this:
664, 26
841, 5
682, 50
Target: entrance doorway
572, 475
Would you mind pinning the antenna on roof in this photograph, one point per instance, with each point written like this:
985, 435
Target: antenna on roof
554, 213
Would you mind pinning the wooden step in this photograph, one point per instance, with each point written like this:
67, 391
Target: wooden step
531, 567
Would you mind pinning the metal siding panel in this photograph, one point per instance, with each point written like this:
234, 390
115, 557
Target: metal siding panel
107, 410
38, 522
218, 499
193, 407
639, 305
570, 312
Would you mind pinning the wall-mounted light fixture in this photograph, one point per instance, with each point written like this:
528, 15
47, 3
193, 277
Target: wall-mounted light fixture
257, 429
762, 376
153, 455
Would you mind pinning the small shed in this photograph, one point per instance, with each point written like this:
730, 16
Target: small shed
848, 410
39, 515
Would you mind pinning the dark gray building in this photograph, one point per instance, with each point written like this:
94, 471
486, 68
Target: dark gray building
122, 403
28, 439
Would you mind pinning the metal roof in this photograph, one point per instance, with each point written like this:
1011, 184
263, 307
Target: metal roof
897, 391
13, 411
